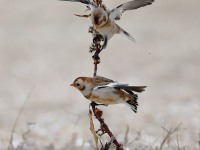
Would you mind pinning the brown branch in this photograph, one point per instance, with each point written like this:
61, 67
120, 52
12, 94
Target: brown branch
10, 147
97, 47
95, 68
103, 126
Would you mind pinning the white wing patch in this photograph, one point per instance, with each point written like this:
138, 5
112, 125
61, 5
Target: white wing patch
104, 89
116, 84
111, 85
116, 13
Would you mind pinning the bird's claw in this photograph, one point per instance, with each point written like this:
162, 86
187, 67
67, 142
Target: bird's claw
93, 104
100, 132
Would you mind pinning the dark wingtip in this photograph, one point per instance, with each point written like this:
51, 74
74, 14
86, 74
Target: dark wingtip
135, 110
133, 104
105, 42
139, 89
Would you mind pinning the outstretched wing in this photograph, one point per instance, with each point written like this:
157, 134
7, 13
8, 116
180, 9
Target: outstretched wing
90, 4
117, 12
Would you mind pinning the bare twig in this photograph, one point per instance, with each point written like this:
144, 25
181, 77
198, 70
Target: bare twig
10, 147
169, 133
97, 47
199, 140
104, 128
126, 136
92, 129
178, 141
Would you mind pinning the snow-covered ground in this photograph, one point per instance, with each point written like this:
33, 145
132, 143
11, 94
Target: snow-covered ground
44, 47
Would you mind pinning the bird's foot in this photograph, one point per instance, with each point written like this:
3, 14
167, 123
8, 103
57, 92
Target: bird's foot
100, 132
93, 104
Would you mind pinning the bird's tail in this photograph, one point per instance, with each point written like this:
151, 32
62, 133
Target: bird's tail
123, 32
138, 89
133, 104
127, 88
127, 35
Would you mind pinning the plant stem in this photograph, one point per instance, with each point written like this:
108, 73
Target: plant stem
105, 129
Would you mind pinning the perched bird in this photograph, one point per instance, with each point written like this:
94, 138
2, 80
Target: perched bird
103, 20
106, 91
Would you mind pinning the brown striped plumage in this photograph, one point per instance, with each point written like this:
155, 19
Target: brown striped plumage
106, 91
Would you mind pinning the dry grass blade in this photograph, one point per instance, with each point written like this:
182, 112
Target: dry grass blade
169, 133
103, 126
126, 136
10, 147
178, 141
92, 129
199, 140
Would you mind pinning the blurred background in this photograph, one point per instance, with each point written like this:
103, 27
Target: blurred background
44, 47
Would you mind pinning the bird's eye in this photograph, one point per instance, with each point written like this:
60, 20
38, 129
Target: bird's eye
77, 84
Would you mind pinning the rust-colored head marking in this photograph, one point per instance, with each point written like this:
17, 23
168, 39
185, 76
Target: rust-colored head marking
97, 15
79, 83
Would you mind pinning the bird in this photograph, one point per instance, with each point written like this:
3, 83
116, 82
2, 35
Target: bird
103, 20
101, 90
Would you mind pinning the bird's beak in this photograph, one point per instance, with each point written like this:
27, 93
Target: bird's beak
72, 84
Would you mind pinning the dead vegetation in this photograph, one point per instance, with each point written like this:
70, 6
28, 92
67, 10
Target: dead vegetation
132, 140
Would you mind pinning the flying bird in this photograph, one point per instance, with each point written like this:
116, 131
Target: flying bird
103, 20
106, 91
